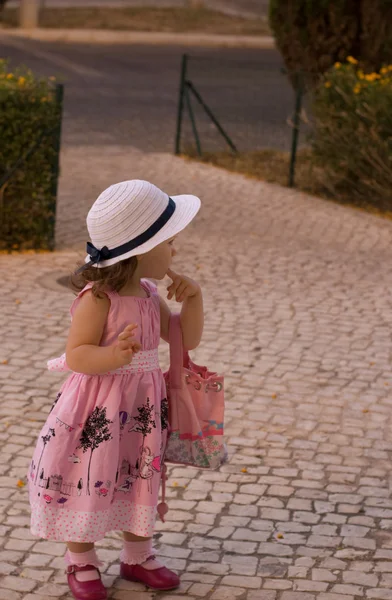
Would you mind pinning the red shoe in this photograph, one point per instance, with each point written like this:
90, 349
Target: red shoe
158, 579
85, 590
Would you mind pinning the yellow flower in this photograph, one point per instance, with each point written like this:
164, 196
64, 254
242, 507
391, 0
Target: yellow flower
372, 77
52, 78
352, 60
361, 74
21, 81
384, 71
10, 76
337, 65
44, 99
328, 84
357, 89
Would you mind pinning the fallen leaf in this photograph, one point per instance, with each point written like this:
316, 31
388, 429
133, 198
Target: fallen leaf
273, 396
244, 470
20, 483
175, 484
4, 362
18, 301
365, 410
280, 536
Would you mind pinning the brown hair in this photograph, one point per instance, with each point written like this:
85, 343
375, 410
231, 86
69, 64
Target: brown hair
108, 278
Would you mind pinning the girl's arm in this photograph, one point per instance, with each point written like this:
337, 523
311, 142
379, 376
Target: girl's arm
189, 293
83, 352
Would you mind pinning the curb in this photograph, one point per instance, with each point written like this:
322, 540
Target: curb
99, 36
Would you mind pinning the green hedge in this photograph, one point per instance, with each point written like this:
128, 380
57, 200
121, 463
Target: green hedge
29, 107
352, 139
313, 34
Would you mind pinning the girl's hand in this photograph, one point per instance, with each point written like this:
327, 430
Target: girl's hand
126, 346
182, 287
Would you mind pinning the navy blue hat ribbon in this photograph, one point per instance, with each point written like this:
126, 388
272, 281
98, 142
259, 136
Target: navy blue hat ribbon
97, 256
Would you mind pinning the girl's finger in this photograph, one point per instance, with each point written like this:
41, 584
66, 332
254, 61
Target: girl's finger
125, 336
180, 290
170, 273
172, 290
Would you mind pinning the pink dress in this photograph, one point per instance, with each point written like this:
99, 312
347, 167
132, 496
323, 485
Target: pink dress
96, 466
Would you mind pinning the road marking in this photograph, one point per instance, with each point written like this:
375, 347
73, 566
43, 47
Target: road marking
50, 57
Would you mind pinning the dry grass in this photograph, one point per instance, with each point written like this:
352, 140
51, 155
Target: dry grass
268, 165
272, 166
173, 20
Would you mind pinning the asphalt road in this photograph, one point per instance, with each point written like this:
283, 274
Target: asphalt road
129, 94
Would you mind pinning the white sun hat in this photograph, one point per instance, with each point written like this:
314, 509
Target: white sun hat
131, 218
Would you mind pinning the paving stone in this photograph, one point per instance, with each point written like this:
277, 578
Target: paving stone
227, 593
18, 584
277, 584
304, 585
358, 578
332, 596
323, 575
379, 594
297, 596
246, 582
262, 595
354, 590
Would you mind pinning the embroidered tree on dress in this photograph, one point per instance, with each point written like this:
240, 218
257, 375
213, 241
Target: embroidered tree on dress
144, 422
164, 414
46, 439
95, 432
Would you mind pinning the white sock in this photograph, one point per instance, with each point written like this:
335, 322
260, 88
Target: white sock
139, 553
81, 559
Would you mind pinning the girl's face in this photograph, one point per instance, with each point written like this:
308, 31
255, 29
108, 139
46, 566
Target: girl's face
154, 264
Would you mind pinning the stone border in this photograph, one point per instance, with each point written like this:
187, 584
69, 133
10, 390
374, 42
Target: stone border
100, 36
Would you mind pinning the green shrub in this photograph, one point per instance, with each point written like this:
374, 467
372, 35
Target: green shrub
28, 108
314, 34
352, 137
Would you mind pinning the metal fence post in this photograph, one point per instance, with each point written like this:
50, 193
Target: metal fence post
55, 167
297, 116
193, 121
184, 65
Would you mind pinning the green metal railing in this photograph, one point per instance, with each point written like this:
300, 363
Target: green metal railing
187, 90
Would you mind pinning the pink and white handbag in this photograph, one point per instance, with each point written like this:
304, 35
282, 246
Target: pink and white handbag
196, 408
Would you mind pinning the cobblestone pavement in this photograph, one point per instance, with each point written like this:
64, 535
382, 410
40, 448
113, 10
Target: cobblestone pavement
297, 316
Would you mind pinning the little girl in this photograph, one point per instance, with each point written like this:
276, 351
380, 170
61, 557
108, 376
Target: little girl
97, 464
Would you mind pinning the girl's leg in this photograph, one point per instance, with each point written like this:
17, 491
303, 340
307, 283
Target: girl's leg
82, 554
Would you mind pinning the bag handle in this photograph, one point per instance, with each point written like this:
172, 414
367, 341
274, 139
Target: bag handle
176, 351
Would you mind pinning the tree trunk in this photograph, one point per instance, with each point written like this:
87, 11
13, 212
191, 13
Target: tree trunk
40, 458
88, 473
28, 14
